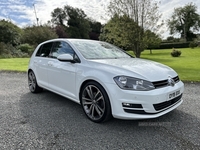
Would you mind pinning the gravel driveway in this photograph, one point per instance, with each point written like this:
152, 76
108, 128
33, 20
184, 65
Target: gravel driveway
48, 121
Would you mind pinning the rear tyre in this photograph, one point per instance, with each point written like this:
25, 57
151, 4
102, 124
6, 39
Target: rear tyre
32, 83
95, 102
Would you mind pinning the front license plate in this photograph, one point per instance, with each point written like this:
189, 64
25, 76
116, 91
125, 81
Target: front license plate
174, 94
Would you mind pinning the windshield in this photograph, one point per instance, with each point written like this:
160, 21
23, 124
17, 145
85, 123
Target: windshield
98, 50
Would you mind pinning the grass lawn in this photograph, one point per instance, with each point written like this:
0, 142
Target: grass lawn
187, 65
14, 64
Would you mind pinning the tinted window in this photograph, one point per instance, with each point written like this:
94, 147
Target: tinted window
61, 48
44, 50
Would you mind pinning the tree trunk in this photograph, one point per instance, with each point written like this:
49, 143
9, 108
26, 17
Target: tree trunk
137, 49
137, 55
137, 52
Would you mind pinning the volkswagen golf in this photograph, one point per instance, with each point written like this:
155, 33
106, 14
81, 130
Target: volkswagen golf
105, 80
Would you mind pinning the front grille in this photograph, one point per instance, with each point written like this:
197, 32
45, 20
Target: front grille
163, 83
166, 104
176, 79
160, 84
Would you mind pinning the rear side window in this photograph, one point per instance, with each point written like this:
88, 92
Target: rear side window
44, 50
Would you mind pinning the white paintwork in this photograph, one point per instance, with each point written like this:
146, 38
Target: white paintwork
66, 78
65, 57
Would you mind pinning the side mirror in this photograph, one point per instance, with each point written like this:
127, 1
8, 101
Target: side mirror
66, 58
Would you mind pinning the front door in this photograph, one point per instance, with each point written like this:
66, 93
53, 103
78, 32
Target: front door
62, 75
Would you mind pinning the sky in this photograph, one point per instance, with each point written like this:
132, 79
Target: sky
22, 12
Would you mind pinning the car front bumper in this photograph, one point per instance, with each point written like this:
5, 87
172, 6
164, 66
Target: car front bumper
129, 104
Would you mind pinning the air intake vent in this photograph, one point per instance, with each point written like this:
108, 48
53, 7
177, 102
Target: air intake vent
166, 104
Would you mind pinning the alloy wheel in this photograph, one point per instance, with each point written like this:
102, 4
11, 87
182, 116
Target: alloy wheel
93, 102
31, 81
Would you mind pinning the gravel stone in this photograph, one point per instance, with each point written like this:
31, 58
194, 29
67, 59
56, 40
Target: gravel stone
48, 121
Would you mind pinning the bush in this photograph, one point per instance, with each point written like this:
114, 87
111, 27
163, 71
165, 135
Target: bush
25, 48
6, 56
1, 48
9, 51
193, 44
34, 35
19, 54
176, 53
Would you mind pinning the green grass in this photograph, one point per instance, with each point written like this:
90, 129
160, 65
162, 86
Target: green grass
187, 65
14, 64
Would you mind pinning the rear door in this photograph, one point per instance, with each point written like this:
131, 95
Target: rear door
41, 64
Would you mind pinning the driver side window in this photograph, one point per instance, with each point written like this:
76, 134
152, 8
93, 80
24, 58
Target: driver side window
61, 48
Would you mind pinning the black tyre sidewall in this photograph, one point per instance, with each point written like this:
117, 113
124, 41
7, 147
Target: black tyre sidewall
37, 88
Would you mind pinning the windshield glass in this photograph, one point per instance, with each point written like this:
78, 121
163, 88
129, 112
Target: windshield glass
98, 50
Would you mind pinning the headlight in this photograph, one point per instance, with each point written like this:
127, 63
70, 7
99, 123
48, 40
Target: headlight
129, 83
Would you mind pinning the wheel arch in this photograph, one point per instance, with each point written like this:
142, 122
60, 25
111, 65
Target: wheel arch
84, 83
29, 70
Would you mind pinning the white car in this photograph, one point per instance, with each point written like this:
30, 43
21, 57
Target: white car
104, 79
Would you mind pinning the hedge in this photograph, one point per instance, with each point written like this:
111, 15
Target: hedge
174, 45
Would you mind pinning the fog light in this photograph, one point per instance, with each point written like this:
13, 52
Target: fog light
126, 104
130, 105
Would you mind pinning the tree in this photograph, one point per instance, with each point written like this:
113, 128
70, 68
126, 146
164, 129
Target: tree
34, 35
185, 20
144, 14
95, 29
60, 31
172, 39
152, 40
10, 33
58, 17
121, 31
74, 21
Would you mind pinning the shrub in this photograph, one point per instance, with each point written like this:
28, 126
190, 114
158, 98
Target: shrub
34, 35
26, 48
19, 54
9, 51
193, 44
175, 53
2, 45
6, 56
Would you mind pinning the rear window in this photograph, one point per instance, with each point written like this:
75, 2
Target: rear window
44, 50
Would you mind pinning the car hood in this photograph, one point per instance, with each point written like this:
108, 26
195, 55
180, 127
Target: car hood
135, 67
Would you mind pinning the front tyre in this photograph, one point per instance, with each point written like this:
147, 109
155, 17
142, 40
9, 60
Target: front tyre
95, 102
32, 83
